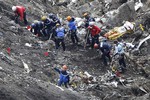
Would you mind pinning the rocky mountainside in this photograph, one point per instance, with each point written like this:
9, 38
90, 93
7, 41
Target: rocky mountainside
26, 62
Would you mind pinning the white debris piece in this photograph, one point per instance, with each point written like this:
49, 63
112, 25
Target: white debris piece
1, 68
114, 83
138, 5
130, 45
128, 25
141, 88
74, 1
97, 19
142, 41
28, 45
26, 67
79, 21
87, 74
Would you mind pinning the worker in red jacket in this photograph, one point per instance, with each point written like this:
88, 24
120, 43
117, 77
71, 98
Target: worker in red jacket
94, 31
20, 11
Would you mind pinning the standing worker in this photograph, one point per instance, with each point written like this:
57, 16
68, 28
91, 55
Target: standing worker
20, 11
64, 76
72, 29
119, 50
60, 33
94, 31
88, 19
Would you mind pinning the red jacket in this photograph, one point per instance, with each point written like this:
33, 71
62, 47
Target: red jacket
20, 11
94, 30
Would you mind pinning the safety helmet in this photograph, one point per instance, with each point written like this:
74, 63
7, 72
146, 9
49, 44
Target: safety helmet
43, 18
64, 67
69, 18
32, 25
91, 23
85, 14
95, 45
14, 8
51, 15
57, 24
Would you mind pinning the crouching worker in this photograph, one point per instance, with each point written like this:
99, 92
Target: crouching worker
36, 28
64, 76
48, 26
20, 11
105, 48
59, 39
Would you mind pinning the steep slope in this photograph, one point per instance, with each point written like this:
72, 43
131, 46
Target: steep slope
27, 74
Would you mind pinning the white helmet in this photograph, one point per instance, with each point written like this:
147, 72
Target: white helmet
14, 8
91, 23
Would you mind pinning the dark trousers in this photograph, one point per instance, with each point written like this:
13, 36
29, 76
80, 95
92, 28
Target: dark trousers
58, 41
24, 18
61, 82
74, 37
122, 61
47, 32
95, 40
105, 56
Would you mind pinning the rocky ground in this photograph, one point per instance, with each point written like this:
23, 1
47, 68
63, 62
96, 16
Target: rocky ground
26, 73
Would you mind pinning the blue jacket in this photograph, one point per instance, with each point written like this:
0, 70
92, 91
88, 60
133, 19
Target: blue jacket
49, 23
64, 76
119, 49
37, 26
72, 26
60, 32
40, 25
105, 47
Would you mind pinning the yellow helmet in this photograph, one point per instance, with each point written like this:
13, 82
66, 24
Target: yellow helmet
43, 18
85, 14
69, 18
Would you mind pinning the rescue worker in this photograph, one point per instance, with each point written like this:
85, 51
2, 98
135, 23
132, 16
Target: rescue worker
54, 18
37, 26
72, 29
63, 76
48, 27
20, 11
119, 51
94, 31
88, 19
60, 33
105, 48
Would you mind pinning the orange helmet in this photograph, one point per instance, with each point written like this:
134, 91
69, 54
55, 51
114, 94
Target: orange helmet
69, 18
64, 67
95, 45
